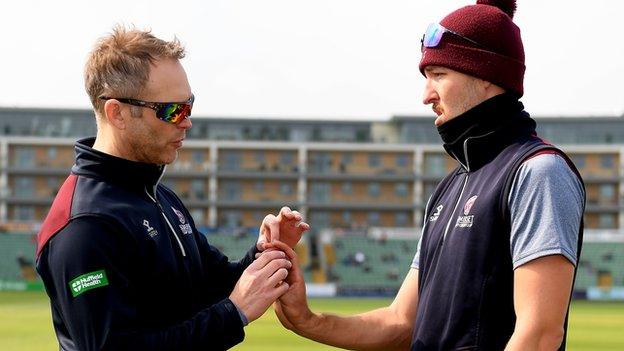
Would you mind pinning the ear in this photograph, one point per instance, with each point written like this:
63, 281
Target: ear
113, 114
490, 88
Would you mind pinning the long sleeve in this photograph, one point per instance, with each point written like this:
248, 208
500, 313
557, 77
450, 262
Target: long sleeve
92, 276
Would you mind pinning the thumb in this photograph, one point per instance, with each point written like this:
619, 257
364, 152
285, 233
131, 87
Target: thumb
277, 306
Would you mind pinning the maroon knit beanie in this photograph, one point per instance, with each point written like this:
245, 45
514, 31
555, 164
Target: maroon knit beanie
500, 60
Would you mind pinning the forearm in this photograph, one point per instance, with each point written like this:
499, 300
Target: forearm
535, 339
381, 329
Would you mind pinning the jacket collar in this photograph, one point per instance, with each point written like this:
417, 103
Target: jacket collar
481, 133
131, 174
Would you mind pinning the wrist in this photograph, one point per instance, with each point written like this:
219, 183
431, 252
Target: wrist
307, 323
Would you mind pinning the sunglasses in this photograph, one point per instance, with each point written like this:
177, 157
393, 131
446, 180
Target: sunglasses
433, 36
170, 112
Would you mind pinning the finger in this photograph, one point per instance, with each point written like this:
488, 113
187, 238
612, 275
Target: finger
280, 290
277, 306
286, 212
271, 224
303, 226
290, 253
265, 273
265, 258
297, 216
260, 245
278, 277
274, 266
265, 227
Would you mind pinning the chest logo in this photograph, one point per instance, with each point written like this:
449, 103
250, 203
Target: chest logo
436, 214
467, 219
150, 230
184, 227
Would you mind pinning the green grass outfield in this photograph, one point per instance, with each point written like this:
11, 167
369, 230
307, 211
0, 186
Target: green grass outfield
25, 325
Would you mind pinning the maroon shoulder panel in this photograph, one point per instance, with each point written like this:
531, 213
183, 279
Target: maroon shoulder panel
59, 213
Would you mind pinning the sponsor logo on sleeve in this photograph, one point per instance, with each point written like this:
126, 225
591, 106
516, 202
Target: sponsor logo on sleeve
88, 281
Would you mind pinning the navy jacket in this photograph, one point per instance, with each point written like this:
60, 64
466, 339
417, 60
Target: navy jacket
125, 267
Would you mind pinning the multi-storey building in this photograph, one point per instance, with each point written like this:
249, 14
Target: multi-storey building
232, 171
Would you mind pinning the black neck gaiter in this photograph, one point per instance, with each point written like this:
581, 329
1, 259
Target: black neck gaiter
494, 114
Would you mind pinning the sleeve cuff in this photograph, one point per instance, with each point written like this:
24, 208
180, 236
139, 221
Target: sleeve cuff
242, 316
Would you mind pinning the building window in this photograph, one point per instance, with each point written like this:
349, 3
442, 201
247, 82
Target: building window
231, 190
347, 188
231, 219
51, 152
231, 160
320, 192
286, 188
429, 189
198, 216
24, 187
320, 219
402, 160
287, 158
258, 216
434, 165
401, 219
259, 156
401, 189
169, 184
578, 160
320, 162
606, 221
606, 161
198, 188
198, 157
374, 160
346, 217
374, 189
24, 213
347, 158
607, 192
374, 218
53, 185
25, 156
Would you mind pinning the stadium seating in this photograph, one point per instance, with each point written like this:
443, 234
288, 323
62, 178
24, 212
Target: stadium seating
17, 251
371, 263
602, 264
350, 261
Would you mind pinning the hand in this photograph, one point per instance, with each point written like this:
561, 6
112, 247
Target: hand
287, 227
292, 307
261, 284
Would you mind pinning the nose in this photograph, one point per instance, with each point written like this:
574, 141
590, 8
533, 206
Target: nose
429, 94
185, 123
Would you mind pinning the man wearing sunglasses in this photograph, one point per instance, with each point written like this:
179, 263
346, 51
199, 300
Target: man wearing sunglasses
502, 233
119, 253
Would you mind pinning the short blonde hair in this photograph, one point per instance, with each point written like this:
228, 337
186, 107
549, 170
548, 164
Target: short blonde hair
119, 64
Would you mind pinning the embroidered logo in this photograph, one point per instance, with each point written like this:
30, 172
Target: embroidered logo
180, 215
150, 230
184, 227
88, 281
467, 219
468, 205
436, 214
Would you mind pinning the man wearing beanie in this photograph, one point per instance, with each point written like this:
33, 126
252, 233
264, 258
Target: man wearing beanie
496, 262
